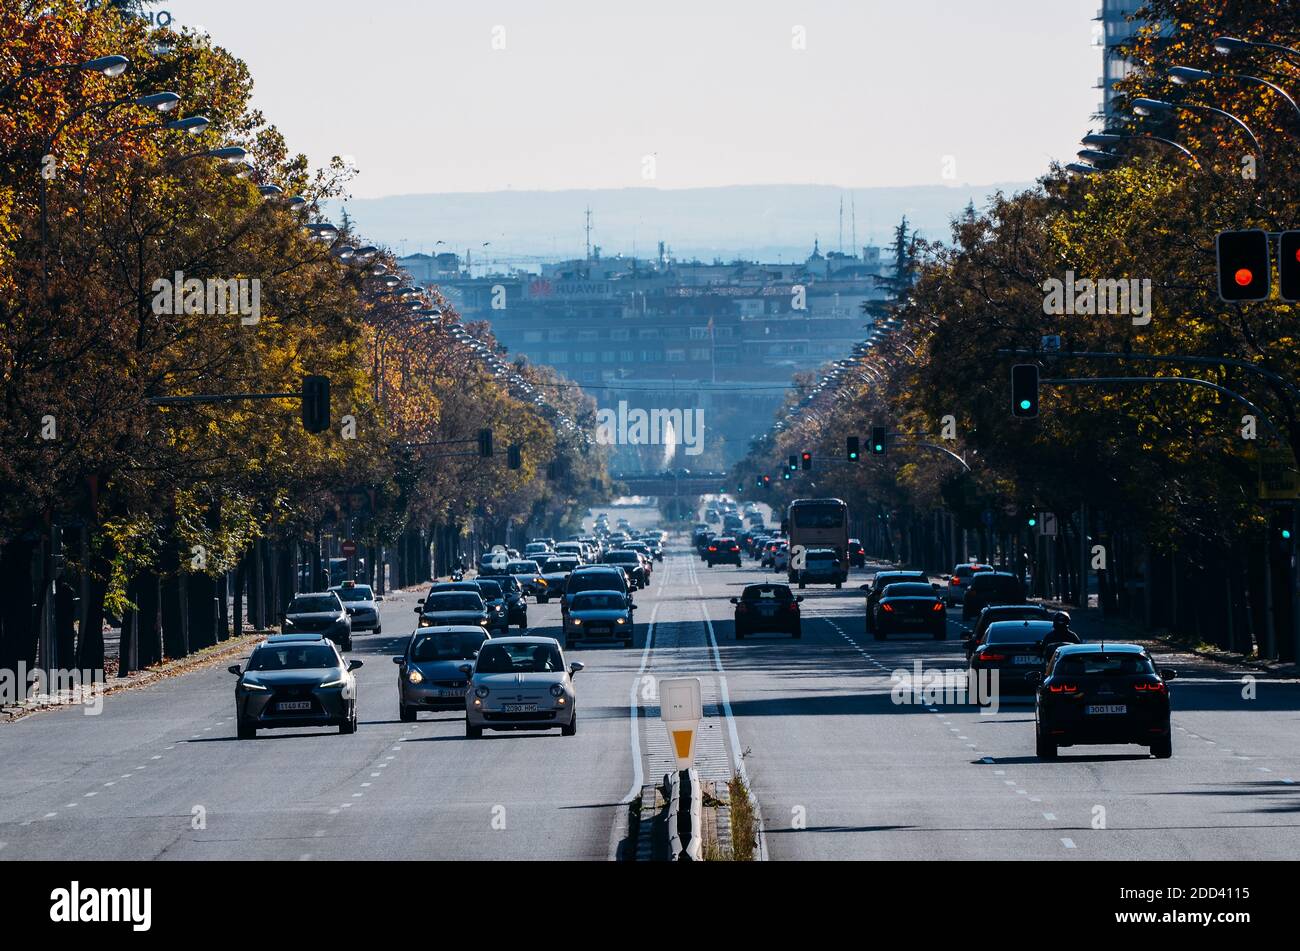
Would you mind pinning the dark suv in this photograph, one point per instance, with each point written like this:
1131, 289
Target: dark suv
594, 578
723, 551
991, 587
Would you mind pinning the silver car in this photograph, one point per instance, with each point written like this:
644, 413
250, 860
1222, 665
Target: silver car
429, 675
520, 683
360, 603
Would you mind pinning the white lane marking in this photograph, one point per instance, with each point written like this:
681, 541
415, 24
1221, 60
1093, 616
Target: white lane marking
634, 708
1068, 843
1049, 816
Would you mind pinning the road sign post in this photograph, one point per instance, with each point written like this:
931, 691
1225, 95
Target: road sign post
681, 708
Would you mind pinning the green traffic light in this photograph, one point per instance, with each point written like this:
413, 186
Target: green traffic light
1286, 533
1033, 522
1025, 404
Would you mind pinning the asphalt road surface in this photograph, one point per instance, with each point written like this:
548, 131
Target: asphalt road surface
839, 769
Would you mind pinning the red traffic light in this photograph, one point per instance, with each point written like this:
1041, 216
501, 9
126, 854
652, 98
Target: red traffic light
1243, 265
1244, 276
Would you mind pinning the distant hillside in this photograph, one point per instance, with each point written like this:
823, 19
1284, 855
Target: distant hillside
765, 222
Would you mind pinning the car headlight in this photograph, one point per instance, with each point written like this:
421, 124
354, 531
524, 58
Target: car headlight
415, 676
622, 620
481, 691
557, 690
288, 622
250, 685
334, 683
577, 622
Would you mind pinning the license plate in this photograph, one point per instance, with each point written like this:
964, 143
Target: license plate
603, 629
448, 692
519, 708
1103, 708
1027, 660
294, 705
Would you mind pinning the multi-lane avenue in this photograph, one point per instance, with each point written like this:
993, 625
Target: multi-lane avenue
839, 768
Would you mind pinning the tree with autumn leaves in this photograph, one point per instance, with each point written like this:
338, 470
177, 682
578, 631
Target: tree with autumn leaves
102, 195
1160, 478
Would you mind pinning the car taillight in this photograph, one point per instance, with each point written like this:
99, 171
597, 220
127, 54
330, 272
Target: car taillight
956, 581
1063, 688
794, 605
887, 607
713, 548
989, 656
938, 606
735, 548
1157, 687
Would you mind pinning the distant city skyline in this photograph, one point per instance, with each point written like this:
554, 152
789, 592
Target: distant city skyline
671, 95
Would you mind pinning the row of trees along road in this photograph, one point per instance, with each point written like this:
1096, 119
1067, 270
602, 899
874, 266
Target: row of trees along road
175, 520
1155, 487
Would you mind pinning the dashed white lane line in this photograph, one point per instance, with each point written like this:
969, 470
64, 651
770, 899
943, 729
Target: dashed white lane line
1049, 816
1068, 843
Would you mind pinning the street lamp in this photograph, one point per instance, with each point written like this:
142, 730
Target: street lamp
1186, 76
1110, 140
1232, 46
1156, 107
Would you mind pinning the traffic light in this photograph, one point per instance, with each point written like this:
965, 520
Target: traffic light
1279, 532
1033, 521
1288, 265
1024, 390
806, 461
851, 448
315, 403
515, 457
758, 482
878, 440
767, 482
1243, 261
786, 475
794, 464
485, 443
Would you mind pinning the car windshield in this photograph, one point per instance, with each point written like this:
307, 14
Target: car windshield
883, 581
1018, 632
593, 580
773, 593
446, 645
360, 593
559, 566
1102, 665
293, 657
509, 583
522, 568
598, 602
314, 604
490, 590
453, 601
519, 658
911, 589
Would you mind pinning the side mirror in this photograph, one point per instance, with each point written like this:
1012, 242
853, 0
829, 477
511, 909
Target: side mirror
398, 660
419, 608
235, 669
864, 587
1034, 677
1168, 673
798, 597
354, 664
735, 600
466, 669
631, 607
936, 586
576, 666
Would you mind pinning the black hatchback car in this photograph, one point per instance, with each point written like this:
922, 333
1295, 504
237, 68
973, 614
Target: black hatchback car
910, 606
991, 587
878, 584
1103, 693
768, 608
1015, 650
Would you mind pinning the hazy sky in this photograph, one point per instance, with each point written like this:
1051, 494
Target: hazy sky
885, 93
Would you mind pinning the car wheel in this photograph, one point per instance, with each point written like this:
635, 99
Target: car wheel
246, 732
473, 732
572, 728
1046, 749
349, 726
802, 584
406, 714
1163, 748
838, 585
740, 635
379, 629
347, 644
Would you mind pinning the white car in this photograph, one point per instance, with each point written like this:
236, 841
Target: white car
520, 683
959, 582
781, 558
